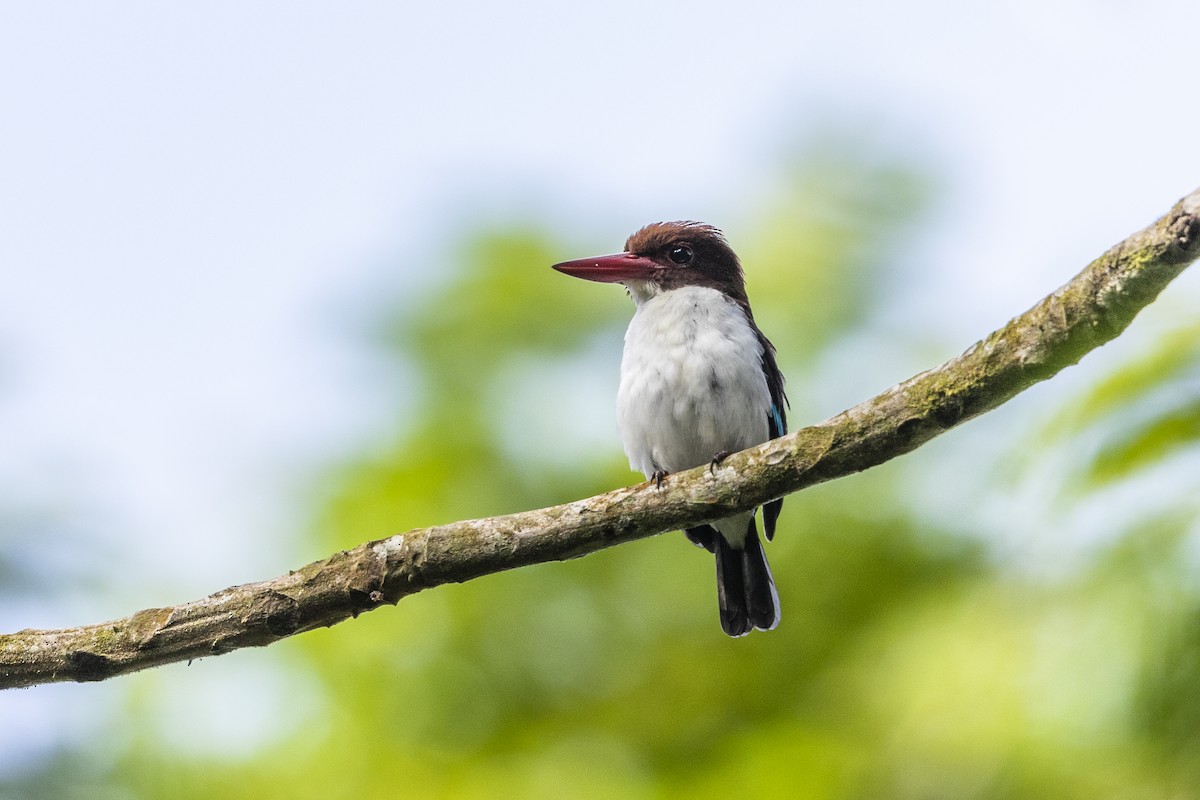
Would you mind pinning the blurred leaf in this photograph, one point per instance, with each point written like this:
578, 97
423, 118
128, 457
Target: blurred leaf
1134, 418
1175, 358
1147, 444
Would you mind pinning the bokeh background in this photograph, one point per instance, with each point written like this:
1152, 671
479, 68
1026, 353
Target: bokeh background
276, 281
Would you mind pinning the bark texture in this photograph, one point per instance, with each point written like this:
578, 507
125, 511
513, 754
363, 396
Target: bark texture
1093, 308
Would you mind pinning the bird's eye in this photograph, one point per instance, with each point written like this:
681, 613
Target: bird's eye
680, 254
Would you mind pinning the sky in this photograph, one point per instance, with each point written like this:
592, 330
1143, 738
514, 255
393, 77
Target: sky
194, 198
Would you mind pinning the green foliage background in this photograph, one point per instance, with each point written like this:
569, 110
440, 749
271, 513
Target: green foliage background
917, 658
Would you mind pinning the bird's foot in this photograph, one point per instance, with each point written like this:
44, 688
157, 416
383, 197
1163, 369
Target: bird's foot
658, 476
716, 461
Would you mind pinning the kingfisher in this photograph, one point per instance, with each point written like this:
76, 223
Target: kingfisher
699, 381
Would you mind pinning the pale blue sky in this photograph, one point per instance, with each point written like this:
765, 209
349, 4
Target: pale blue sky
192, 195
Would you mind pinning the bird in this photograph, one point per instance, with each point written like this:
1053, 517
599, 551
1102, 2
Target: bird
699, 381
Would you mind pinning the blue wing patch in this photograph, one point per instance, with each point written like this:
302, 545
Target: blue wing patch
775, 422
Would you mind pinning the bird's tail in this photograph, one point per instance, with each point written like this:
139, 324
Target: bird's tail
745, 589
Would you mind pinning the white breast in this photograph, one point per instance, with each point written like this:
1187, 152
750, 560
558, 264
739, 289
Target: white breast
692, 383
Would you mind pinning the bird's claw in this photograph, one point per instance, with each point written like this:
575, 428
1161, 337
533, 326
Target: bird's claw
658, 477
716, 461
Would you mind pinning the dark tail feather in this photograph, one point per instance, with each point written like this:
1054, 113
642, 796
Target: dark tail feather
745, 589
731, 590
770, 515
761, 598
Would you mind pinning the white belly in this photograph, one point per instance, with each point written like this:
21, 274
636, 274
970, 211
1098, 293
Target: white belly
692, 383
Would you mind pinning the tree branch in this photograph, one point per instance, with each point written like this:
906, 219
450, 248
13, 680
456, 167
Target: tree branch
1093, 308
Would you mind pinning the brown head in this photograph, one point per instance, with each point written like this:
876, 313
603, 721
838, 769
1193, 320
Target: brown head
668, 255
